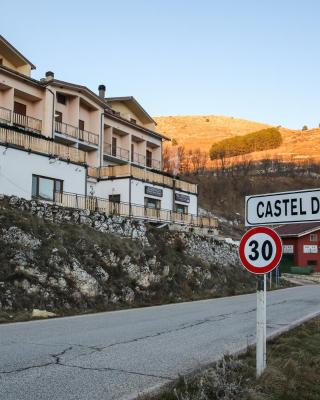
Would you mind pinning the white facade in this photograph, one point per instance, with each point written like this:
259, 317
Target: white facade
138, 194
17, 168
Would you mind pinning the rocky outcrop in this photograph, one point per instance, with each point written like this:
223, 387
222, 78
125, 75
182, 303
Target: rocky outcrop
101, 222
64, 261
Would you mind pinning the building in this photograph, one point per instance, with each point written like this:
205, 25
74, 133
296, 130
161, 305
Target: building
61, 142
301, 244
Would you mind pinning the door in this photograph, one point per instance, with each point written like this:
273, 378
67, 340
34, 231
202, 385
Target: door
81, 129
149, 158
114, 147
20, 108
114, 200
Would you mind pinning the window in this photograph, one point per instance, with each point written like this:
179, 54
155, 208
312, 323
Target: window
181, 208
312, 263
152, 203
313, 237
44, 188
114, 147
61, 98
20, 108
149, 158
115, 198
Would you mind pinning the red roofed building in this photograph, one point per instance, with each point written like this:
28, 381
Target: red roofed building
301, 244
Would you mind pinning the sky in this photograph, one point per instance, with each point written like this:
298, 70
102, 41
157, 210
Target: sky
252, 59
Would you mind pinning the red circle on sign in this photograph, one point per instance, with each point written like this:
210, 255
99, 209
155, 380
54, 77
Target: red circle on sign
278, 253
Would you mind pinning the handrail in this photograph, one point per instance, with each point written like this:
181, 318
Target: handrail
73, 131
5, 114
26, 121
28, 142
116, 151
92, 203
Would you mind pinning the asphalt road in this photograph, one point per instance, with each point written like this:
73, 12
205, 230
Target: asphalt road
117, 355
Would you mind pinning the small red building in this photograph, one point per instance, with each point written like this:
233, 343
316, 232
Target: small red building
301, 244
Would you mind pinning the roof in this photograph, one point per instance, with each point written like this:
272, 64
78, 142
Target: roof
297, 230
16, 52
80, 88
133, 104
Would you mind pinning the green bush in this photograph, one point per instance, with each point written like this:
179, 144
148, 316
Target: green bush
264, 139
301, 270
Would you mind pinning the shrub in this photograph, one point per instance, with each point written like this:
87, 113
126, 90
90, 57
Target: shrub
264, 139
304, 128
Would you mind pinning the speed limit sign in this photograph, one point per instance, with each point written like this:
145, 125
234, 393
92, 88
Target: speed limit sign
260, 250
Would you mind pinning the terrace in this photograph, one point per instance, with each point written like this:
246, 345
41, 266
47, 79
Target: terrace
12, 138
72, 200
142, 174
20, 120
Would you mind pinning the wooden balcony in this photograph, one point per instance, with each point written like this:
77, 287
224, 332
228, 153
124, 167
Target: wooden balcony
76, 133
142, 174
9, 137
27, 122
92, 203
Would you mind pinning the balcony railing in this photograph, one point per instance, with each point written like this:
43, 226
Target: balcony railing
116, 151
138, 159
5, 114
76, 133
27, 122
92, 203
39, 145
142, 174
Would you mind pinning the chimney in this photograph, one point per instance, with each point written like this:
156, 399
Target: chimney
49, 76
102, 91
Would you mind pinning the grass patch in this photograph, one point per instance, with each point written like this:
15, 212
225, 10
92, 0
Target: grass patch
292, 372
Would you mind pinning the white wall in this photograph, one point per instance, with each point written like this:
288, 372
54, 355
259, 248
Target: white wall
121, 186
116, 186
138, 194
17, 167
193, 205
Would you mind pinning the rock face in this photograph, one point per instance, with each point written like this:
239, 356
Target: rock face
101, 222
66, 261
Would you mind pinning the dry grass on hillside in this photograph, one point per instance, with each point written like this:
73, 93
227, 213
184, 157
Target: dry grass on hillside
202, 131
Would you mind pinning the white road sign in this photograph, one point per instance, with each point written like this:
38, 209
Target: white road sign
283, 208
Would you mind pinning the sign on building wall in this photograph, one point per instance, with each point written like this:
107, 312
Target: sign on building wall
283, 208
153, 191
287, 249
182, 197
310, 249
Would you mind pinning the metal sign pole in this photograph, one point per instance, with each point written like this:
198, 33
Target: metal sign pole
261, 325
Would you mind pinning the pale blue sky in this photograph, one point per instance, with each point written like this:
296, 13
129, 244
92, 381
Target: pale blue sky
254, 59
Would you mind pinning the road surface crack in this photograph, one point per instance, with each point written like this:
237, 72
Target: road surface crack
104, 369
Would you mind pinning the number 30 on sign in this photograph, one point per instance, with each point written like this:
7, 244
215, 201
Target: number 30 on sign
260, 250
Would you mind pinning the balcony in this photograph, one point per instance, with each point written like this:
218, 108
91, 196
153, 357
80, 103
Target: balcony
11, 138
24, 121
76, 134
72, 200
144, 161
116, 152
5, 115
142, 174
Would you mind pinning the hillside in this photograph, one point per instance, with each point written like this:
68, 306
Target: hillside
202, 131
64, 261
